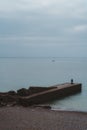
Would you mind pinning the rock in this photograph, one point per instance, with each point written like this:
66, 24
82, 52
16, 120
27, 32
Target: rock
43, 106
12, 93
23, 92
7, 99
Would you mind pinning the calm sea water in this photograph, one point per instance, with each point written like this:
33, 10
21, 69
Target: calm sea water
16, 73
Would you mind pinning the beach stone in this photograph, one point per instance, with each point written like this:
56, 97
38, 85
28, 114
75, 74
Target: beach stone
12, 93
43, 106
23, 92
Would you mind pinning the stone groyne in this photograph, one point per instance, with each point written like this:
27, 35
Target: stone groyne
57, 92
38, 95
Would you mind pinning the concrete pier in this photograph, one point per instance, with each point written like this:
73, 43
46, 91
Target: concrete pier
59, 91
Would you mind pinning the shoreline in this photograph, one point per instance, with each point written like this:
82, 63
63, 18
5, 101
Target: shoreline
37, 118
68, 110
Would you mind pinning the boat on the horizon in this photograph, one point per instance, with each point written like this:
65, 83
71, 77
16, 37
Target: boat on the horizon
53, 60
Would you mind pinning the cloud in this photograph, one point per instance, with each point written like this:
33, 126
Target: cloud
39, 20
77, 29
65, 8
80, 28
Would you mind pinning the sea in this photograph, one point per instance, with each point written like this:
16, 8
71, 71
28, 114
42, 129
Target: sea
23, 72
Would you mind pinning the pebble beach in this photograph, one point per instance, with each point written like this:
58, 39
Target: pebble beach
36, 118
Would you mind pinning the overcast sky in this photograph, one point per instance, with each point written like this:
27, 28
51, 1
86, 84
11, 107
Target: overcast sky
43, 28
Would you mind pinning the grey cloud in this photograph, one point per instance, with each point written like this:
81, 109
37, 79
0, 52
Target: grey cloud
51, 7
61, 23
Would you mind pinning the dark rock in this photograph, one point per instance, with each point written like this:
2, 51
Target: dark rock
22, 102
47, 107
43, 106
23, 92
7, 98
12, 93
2, 104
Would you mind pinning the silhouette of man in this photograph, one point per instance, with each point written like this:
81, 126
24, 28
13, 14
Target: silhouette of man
71, 81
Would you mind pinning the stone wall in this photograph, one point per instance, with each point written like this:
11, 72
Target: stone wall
47, 96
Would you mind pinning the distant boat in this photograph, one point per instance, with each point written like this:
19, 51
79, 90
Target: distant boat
53, 60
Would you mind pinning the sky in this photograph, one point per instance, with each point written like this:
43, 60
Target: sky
49, 28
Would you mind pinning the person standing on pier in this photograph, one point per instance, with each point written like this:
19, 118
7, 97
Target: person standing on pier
71, 81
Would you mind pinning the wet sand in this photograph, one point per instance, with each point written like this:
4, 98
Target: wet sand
21, 118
